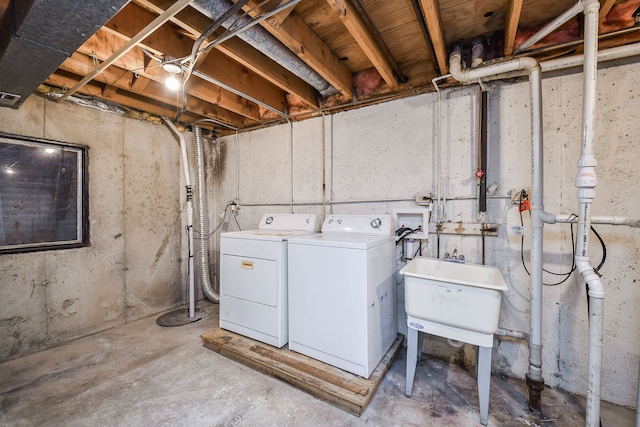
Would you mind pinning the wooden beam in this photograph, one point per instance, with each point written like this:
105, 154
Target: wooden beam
511, 25
166, 40
196, 23
360, 31
278, 19
116, 78
605, 7
301, 40
109, 91
101, 43
126, 99
436, 32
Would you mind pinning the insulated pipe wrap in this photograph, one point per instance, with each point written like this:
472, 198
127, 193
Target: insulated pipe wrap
205, 278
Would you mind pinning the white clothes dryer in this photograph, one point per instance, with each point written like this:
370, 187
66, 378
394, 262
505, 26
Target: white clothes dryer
253, 277
342, 308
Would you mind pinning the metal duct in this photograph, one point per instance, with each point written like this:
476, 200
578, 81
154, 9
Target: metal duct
205, 278
37, 36
264, 42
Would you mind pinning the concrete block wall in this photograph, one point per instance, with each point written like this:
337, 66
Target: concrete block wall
361, 159
132, 268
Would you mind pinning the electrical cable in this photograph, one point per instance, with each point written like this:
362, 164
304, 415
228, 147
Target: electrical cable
224, 216
524, 196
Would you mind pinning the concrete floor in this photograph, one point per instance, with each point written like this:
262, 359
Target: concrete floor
143, 375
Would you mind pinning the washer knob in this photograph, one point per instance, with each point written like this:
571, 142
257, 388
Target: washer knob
269, 220
376, 223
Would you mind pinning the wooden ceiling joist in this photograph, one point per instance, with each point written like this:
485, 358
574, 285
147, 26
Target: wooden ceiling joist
436, 32
361, 32
195, 24
605, 7
126, 99
218, 66
511, 25
97, 46
116, 78
301, 40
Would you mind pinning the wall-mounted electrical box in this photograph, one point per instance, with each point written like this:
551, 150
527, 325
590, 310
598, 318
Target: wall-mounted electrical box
413, 218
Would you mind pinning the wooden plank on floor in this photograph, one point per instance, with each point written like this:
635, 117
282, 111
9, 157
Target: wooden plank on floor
333, 385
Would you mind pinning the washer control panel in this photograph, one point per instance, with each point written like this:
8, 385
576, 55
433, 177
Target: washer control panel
290, 222
358, 224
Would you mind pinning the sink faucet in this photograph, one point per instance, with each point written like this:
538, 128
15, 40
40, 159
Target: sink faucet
455, 257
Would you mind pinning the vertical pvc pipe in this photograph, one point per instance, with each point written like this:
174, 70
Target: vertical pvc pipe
187, 180
586, 181
638, 401
537, 208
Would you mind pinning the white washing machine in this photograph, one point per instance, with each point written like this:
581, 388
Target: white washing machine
342, 308
253, 277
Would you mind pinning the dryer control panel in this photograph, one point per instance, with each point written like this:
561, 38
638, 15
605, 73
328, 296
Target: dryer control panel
290, 222
379, 225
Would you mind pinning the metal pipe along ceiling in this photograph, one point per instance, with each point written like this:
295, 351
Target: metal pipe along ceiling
264, 42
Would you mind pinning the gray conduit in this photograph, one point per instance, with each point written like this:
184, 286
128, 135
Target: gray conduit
260, 39
205, 278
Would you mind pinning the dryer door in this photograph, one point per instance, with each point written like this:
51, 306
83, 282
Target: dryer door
251, 279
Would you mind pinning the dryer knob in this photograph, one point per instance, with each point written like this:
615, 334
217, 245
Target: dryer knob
330, 221
376, 223
269, 220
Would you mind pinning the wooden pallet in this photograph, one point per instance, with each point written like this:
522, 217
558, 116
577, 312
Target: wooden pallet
340, 388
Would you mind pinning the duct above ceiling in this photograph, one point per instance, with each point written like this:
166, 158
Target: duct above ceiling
37, 36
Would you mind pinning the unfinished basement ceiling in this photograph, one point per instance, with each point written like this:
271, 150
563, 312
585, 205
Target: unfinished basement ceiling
314, 56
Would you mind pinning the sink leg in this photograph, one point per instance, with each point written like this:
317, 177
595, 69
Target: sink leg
484, 381
412, 358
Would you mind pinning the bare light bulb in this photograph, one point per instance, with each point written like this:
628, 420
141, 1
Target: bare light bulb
172, 82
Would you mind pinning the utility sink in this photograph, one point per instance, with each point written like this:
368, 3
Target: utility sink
453, 295
456, 301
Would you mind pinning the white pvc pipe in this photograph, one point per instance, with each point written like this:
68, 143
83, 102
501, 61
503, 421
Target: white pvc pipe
551, 26
609, 220
537, 209
187, 180
638, 401
586, 181
604, 55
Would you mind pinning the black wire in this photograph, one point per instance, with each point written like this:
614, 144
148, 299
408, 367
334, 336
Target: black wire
573, 248
224, 216
604, 250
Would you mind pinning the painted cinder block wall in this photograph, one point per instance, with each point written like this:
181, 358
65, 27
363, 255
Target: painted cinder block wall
387, 151
133, 267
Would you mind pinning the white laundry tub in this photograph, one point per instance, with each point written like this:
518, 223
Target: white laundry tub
463, 296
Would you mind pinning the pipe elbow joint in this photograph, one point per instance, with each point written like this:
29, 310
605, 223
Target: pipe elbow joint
529, 64
596, 289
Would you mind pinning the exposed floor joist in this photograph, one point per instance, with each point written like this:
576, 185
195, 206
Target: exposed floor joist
216, 65
99, 45
117, 78
294, 33
195, 23
511, 25
361, 32
436, 32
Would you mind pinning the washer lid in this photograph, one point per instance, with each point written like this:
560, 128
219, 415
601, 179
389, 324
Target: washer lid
375, 225
308, 222
349, 241
271, 235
